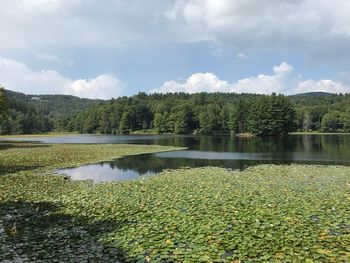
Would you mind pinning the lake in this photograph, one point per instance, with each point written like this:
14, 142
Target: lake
228, 152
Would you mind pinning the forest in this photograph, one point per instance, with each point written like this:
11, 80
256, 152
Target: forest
176, 113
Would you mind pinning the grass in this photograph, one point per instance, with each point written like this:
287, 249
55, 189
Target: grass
146, 132
44, 134
266, 213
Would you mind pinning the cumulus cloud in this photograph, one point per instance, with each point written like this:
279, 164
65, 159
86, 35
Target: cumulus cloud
29, 24
19, 77
315, 28
309, 26
103, 87
198, 82
326, 85
283, 80
312, 26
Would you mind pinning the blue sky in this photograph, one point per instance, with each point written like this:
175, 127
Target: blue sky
95, 50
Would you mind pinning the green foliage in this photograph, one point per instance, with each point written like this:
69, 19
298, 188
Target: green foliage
265, 213
331, 122
124, 126
3, 111
273, 115
180, 113
159, 123
43, 113
345, 120
3, 101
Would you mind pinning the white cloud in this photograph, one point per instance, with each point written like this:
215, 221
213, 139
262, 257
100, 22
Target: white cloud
18, 77
284, 68
310, 26
325, 85
283, 80
103, 86
198, 82
34, 24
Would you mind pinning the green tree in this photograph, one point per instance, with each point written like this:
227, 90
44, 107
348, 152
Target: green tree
307, 122
124, 125
232, 122
159, 123
345, 120
241, 117
210, 119
90, 122
3, 112
273, 115
331, 122
3, 102
224, 120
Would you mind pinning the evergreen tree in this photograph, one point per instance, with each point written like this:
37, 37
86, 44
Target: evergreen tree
274, 115
307, 122
124, 126
3, 102
331, 122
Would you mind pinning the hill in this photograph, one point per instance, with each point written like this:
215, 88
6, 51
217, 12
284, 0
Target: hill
42, 113
314, 94
52, 105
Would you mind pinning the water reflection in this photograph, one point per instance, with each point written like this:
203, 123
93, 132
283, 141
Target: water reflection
332, 144
132, 167
228, 152
102, 172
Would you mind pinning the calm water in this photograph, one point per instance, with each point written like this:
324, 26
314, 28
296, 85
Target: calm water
227, 152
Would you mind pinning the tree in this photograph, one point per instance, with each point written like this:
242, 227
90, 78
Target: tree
232, 121
105, 121
331, 122
3, 100
204, 113
224, 119
241, 117
124, 125
345, 120
3, 112
159, 123
182, 119
3, 103
273, 115
307, 122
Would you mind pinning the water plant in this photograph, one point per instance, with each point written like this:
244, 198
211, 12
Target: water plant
264, 213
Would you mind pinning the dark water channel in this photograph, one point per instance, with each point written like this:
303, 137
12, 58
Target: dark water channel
227, 152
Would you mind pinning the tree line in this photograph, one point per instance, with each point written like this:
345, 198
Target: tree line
180, 113
21, 113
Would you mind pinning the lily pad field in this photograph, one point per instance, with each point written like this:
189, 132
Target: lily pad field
266, 213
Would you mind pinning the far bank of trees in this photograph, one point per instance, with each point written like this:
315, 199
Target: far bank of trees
3, 108
34, 114
178, 113
329, 113
191, 114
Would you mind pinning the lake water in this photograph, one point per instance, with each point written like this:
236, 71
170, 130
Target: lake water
227, 152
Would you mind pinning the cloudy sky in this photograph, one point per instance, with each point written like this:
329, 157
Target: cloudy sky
105, 49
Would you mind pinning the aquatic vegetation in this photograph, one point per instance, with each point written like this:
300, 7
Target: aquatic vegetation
21, 155
264, 213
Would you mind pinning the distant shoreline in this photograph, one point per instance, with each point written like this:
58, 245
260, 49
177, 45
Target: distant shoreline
153, 132
319, 133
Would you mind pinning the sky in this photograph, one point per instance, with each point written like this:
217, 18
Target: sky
111, 48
